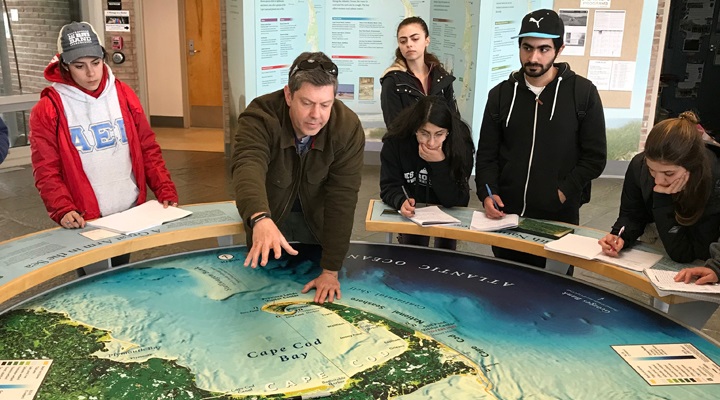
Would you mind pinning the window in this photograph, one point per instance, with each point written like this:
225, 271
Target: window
28, 43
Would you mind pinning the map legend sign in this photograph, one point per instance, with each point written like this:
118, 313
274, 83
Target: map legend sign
670, 364
21, 379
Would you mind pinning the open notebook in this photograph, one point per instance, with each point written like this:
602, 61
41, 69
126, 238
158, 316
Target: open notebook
482, 223
145, 216
433, 216
589, 249
665, 280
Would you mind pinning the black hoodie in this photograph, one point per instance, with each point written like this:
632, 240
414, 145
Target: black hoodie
426, 182
529, 148
640, 205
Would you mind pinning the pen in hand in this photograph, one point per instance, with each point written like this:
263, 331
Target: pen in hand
620, 232
411, 204
407, 196
489, 192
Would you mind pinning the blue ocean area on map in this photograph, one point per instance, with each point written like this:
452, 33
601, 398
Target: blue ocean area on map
522, 332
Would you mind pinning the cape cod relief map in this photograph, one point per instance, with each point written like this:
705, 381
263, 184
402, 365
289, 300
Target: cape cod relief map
411, 324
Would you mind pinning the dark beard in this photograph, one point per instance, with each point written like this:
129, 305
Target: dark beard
536, 74
543, 68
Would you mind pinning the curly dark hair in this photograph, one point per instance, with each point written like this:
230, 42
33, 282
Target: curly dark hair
434, 109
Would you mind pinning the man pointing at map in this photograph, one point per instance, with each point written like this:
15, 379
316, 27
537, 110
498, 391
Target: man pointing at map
296, 170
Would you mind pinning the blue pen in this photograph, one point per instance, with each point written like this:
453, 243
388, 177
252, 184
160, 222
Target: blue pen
497, 206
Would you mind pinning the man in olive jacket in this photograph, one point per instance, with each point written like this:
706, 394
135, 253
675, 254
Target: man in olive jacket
296, 170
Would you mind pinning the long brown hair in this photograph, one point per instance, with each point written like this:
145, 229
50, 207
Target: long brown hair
430, 58
678, 141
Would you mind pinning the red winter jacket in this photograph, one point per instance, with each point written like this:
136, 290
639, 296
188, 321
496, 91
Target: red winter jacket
58, 170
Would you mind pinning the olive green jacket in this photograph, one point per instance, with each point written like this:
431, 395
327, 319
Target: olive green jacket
268, 173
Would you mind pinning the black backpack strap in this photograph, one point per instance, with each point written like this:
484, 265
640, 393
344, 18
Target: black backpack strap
495, 114
582, 98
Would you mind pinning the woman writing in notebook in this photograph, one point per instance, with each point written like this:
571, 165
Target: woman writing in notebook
416, 72
428, 153
674, 183
93, 152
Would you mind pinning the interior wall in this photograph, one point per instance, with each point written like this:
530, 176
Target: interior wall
162, 54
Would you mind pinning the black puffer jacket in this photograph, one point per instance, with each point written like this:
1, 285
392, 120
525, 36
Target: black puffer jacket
426, 182
401, 89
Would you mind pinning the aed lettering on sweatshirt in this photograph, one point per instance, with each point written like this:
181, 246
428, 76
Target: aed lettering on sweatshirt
99, 136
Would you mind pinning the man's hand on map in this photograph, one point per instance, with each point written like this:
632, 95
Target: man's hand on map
327, 286
266, 237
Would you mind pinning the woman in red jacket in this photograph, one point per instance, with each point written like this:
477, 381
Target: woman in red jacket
93, 151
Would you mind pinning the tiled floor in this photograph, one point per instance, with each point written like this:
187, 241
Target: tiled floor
201, 175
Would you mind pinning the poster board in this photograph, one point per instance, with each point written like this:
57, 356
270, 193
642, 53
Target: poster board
611, 24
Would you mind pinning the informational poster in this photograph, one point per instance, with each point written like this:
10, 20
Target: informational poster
623, 76
284, 30
117, 21
670, 364
453, 30
575, 31
599, 72
473, 39
608, 33
21, 379
358, 36
612, 75
504, 50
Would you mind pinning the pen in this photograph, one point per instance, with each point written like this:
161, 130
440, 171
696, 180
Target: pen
497, 207
316, 395
614, 245
407, 196
622, 229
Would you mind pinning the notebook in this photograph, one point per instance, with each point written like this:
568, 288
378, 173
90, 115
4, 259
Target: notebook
139, 218
433, 216
589, 249
482, 223
665, 280
543, 229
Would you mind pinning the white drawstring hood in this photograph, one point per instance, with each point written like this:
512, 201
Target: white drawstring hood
557, 88
530, 159
97, 129
516, 76
512, 103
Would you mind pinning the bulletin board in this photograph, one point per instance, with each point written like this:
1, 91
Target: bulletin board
611, 63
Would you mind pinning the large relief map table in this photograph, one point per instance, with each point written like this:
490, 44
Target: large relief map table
413, 323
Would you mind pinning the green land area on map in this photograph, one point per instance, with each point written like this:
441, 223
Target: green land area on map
76, 373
